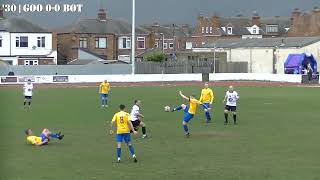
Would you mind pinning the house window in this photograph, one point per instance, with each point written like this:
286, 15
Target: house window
165, 45
272, 28
171, 46
41, 42
83, 42
156, 45
207, 30
202, 30
141, 42
0, 41
210, 30
22, 41
124, 43
31, 62
229, 30
254, 31
101, 43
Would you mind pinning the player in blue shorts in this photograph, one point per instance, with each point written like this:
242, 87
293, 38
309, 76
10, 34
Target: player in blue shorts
189, 111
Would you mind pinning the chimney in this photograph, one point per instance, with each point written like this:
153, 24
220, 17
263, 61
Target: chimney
215, 21
102, 15
295, 15
155, 27
185, 29
256, 19
1, 13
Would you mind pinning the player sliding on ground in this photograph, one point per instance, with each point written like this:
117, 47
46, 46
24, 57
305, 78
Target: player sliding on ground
206, 98
104, 89
44, 138
122, 121
136, 118
231, 105
189, 111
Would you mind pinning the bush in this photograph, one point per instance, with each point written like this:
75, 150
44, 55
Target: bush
155, 57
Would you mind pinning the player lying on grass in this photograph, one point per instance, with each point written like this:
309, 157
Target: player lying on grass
206, 98
189, 111
122, 121
231, 105
44, 138
136, 118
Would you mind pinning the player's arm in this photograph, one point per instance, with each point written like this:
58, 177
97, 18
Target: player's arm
183, 96
109, 86
100, 88
201, 97
212, 96
225, 97
112, 124
140, 115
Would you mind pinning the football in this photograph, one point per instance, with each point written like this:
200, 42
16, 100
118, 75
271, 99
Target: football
167, 108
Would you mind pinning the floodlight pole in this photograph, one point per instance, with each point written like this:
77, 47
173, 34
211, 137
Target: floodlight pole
133, 42
214, 58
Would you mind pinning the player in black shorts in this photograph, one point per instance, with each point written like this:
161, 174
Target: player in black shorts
230, 98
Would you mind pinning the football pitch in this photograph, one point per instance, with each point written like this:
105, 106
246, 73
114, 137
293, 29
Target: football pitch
277, 136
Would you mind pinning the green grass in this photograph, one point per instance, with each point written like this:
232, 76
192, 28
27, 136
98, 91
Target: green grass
277, 136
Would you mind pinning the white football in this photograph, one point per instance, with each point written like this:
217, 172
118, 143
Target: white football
167, 108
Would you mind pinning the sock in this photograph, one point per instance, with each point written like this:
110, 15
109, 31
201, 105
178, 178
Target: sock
54, 136
235, 118
185, 127
131, 149
226, 117
29, 103
178, 108
119, 152
208, 116
143, 130
24, 103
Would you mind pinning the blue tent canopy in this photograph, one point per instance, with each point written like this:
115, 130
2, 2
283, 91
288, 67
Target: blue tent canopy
295, 63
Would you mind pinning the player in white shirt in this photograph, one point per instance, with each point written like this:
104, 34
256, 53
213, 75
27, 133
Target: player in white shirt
231, 105
136, 117
27, 92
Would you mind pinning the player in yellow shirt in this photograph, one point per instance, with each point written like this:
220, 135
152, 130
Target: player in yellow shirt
122, 121
207, 97
104, 89
44, 138
189, 111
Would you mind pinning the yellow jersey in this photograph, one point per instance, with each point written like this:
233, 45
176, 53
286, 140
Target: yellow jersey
104, 88
193, 106
207, 95
34, 140
122, 122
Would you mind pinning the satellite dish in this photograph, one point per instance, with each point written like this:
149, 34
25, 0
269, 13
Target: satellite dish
34, 47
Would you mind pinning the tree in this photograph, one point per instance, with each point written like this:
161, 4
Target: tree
155, 57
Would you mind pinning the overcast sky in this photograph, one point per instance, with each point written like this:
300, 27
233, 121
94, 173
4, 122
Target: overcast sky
164, 11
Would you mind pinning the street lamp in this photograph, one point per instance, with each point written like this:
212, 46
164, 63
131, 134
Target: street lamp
214, 58
133, 33
161, 34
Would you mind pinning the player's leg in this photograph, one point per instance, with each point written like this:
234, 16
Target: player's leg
102, 100
29, 101
178, 108
48, 134
106, 100
127, 139
143, 128
119, 139
25, 101
234, 113
226, 111
206, 109
186, 119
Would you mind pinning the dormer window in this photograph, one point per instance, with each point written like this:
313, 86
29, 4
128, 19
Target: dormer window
207, 30
210, 30
272, 28
202, 30
229, 30
224, 29
254, 30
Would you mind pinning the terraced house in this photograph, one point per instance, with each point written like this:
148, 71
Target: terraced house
25, 43
102, 38
209, 29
